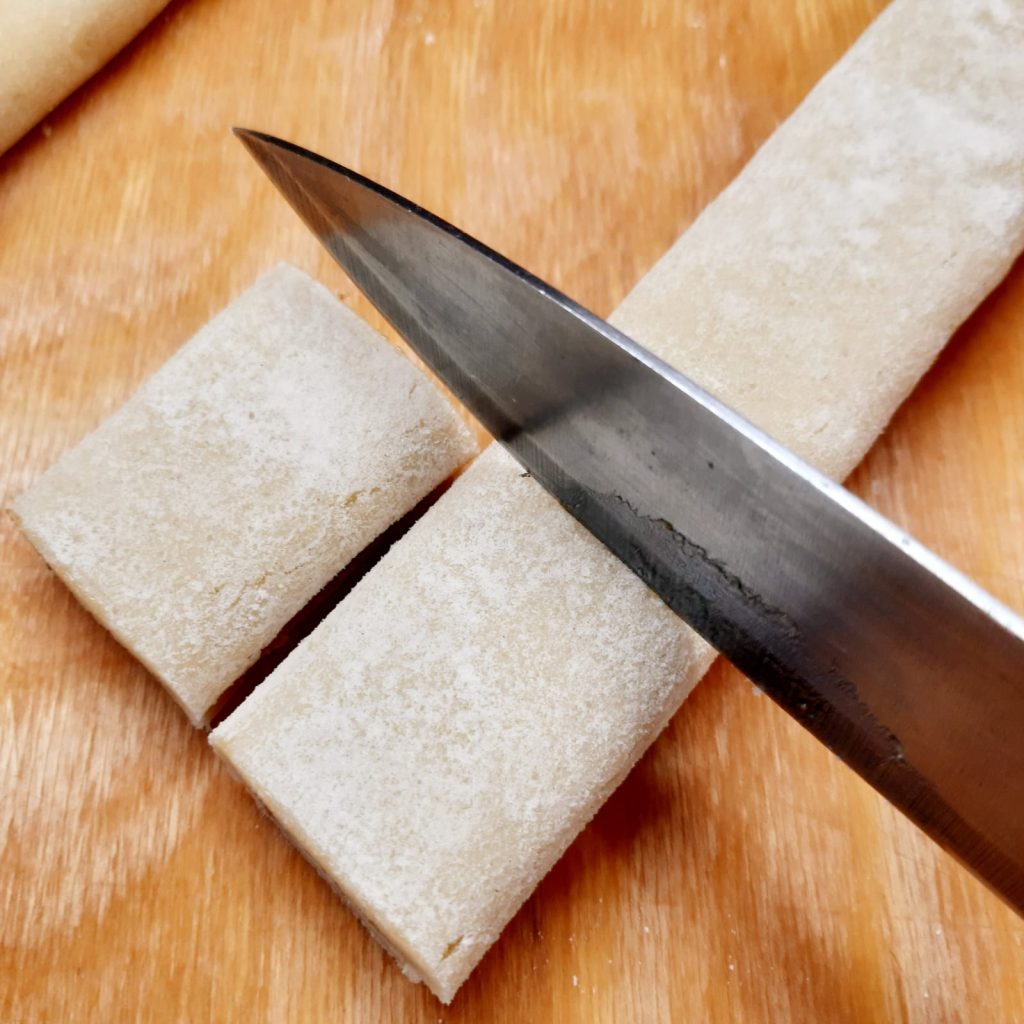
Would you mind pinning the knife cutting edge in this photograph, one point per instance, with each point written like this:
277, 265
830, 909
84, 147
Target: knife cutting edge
903, 667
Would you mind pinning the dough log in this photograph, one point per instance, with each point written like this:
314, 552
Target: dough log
48, 48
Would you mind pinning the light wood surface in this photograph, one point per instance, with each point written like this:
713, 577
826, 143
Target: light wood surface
741, 873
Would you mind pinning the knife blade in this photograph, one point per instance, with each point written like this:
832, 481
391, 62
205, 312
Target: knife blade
903, 667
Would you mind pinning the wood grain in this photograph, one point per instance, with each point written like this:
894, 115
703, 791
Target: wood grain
741, 873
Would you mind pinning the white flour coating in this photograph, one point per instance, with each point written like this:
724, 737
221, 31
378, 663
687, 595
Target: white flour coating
242, 476
448, 730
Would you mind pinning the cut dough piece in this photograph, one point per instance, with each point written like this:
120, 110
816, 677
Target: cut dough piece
435, 781
241, 478
443, 736
48, 48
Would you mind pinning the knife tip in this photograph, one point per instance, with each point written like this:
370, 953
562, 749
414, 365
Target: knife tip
257, 143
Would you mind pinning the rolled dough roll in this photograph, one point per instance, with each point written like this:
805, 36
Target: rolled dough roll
441, 738
243, 475
50, 47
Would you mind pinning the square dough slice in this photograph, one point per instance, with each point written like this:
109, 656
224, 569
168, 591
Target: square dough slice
443, 736
241, 478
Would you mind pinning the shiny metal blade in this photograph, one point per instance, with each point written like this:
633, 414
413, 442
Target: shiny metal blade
903, 667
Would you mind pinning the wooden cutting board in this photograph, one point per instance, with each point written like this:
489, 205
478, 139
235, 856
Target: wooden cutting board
741, 873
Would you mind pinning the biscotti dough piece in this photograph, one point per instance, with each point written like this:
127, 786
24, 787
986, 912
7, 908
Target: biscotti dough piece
437, 743
242, 476
50, 47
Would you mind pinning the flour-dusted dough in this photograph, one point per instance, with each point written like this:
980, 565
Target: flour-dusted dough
243, 475
817, 289
437, 743
50, 47
440, 739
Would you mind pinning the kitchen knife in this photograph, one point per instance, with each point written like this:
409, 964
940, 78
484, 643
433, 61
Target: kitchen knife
905, 669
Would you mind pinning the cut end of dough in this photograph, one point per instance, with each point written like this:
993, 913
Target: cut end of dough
50, 47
